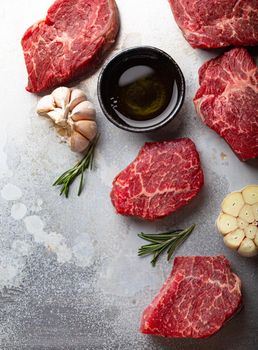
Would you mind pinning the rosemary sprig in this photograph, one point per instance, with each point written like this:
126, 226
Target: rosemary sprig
160, 242
68, 177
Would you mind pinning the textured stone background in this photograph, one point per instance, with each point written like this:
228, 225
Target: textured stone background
70, 277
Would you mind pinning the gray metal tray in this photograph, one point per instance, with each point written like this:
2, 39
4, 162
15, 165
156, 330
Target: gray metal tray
70, 277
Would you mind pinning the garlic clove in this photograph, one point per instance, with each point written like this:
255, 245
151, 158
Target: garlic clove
233, 239
241, 206
87, 128
242, 223
78, 142
45, 105
250, 231
248, 248
246, 213
256, 239
62, 131
77, 96
61, 96
233, 203
72, 114
250, 194
255, 211
57, 116
84, 110
226, 223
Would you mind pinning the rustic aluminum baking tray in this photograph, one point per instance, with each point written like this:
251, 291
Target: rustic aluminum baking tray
70, 277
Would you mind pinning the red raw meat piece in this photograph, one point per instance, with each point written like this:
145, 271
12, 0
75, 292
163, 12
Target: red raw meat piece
217, 23
227, 100
199, 296
164, 177
74, 35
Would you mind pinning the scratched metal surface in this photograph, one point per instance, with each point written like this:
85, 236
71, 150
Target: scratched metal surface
70, 277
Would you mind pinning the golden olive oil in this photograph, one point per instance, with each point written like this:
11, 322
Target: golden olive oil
141, 91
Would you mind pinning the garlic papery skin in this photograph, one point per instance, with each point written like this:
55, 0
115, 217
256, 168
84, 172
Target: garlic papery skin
238, 221
74, 117
84, 110
77, 142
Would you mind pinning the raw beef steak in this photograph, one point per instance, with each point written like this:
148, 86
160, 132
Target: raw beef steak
217, 23
227, 100
164, 177
199, 296
73, 36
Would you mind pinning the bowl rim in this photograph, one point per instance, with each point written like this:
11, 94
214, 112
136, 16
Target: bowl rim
170, 117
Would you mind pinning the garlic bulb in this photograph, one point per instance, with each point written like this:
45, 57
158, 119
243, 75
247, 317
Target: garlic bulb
73, 116
238, 221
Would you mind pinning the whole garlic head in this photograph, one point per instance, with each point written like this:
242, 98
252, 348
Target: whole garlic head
238, 221
73, 116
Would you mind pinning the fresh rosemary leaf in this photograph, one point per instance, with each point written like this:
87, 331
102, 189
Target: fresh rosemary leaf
157, 254
150, 248
68, 177
81, 183
150, 239
161, 236
161, 242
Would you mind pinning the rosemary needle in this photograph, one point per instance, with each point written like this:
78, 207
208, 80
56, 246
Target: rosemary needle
160, 242
68, 177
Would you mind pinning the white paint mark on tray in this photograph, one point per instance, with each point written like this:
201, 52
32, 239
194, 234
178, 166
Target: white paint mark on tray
53, 241
83, 250
22, 248
18, 211
115, 279
106, 171
56, 243
11, 192
4, 169
37, 206
12, 262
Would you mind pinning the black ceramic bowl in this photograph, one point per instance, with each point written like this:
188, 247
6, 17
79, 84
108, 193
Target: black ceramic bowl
127, 58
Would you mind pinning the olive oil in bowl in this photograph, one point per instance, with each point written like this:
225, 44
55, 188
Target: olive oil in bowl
141, 89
